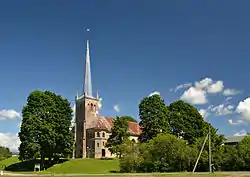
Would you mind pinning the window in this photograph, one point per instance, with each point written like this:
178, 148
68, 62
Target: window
103, 143
91, 107
97, 145
103, 134
98, 134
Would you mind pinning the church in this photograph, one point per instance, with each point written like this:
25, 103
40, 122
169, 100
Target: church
91, 129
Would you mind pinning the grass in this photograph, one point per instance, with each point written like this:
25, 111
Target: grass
8, 162
87, 166
155, 175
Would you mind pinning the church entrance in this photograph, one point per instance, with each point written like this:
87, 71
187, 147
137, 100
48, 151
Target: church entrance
103, 152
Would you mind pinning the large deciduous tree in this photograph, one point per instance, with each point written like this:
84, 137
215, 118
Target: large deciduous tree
186, 121
128, 118
45, 128
119, 136
154, 117
4, 153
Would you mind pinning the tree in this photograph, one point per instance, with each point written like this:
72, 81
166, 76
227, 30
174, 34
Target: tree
4, 153
154, 117
244, 153
186, 121
128, 118
119, 135
45, 128
163, 153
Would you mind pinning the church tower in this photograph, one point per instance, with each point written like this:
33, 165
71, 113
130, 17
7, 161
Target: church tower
86, 110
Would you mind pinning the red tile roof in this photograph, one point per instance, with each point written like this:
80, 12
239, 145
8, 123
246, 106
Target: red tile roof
107, 123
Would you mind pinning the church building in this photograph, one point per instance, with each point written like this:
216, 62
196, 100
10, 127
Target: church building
91, 129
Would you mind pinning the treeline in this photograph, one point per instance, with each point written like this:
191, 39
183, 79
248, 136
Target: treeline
171, 139
4, 153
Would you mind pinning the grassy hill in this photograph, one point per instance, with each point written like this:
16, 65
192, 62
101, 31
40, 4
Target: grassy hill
88, 166
8, 162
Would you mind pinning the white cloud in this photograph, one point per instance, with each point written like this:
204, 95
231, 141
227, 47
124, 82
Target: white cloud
100, 103
194, 96
238, 122
222, 109
74, 110
228, 92
9, 114
204, 113
241, 133
10, 140
181, 86
243, 109
215, 87
116, 108
154, 93
204, 83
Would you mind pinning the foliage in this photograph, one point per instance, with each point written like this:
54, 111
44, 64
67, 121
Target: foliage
119, 135
128, 118
244, 153
4, 153
186, 121
45, 129
154, 117
164, 153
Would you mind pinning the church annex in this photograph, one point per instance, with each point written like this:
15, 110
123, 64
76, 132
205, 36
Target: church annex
91, 129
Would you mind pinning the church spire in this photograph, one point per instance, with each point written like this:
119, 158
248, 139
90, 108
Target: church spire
87, 83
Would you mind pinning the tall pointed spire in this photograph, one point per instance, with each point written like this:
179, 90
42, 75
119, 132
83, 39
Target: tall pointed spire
87, 83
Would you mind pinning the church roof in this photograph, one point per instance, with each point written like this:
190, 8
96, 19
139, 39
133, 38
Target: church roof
107, 123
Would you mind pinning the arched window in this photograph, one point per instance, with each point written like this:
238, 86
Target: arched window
91, 107
98, 145
103, 134
133, 140
98, 134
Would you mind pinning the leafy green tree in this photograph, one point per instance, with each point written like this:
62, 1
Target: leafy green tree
119, 135
128, 118
154, 117
186, 121
164, 153
45, 128
4, 153
243, 149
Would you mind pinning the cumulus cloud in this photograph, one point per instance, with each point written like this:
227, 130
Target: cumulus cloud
181, 86
222, 109
241, 133
203, 83
154, 93
215, 87
116, 108
238, 122
243, 109
204, 113
228, 92
9, 114
195, 96
10, 140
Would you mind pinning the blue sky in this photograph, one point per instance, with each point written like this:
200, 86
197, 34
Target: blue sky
137, 47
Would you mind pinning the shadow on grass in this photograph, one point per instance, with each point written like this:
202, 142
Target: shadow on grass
28, 166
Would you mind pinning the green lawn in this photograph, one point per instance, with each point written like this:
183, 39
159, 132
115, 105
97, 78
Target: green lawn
87, 166
72, 166
8, 162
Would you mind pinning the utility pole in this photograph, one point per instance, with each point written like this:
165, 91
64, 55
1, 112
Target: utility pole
200, 153
210, 155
